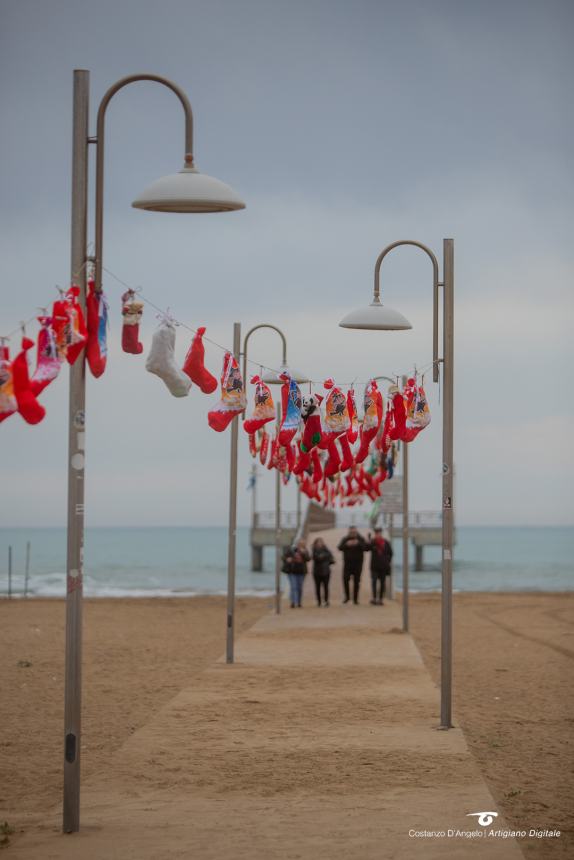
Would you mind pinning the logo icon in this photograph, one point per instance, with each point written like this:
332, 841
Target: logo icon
484, 818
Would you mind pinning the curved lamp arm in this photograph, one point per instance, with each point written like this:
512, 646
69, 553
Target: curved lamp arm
248, 335
436, 284
123, 82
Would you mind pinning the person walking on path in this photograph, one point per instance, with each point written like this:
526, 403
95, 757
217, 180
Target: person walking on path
353, 547
381, 555
322, 561
295, 566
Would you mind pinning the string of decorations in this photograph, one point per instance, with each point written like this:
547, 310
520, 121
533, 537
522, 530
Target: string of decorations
322, 446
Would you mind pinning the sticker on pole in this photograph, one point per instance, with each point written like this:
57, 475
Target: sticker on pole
447, 503
80, 419
445, 469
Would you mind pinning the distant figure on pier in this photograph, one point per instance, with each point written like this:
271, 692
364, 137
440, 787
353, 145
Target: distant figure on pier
353, 547
381, 555
295, 566
322, 561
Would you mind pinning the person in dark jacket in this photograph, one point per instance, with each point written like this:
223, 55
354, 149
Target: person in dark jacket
295, 566
353, 547
322, 561
381, 555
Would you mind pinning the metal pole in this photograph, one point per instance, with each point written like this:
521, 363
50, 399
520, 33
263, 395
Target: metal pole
278, 527
27, 569
254, 495
447, 486
232, 532
405, 531
10, 572
75, 551
391, 577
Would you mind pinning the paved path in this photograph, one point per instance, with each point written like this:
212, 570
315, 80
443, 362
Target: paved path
320, 742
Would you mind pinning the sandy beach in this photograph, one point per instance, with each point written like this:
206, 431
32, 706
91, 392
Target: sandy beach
513, 693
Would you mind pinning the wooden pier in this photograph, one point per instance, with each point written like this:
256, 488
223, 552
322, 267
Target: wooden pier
293, 524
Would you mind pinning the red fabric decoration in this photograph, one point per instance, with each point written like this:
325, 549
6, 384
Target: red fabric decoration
303, 462
194, 364
252, 445
373, 413
263, 447
337, 420
273, 454
75, 331
8, 405
353, 431
31, 411
312, 422
97, 315
317, 467
334, 461
263, 409
290, 409
348, 460
232, 400
48, 363
132, 312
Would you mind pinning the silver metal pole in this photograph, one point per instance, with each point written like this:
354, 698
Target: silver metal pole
232, 531
447, 485
77, 402
278, 528
391, 577
10, 572
405, 534
405, 448
27, 569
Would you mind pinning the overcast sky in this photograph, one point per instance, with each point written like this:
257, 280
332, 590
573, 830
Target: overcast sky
344, 126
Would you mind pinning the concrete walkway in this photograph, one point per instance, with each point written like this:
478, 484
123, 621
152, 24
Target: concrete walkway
320, 742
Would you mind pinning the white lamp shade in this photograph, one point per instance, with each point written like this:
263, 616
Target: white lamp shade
376, 316
271, 378
188, 191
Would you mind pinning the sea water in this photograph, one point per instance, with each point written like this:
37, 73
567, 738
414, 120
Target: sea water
178, 561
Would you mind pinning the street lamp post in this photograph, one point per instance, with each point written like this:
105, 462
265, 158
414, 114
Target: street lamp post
405, 523
186, 191
379, 317
273, 379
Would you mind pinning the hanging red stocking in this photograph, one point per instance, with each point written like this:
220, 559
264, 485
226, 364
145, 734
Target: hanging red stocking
194, 364
161, 359
373, 413
353, 431
97, 330
418, 413
48, 363
132, 312
337, 419
31, 411
398, 414
263, 447
253, 444
316, 464
263, 409
76, 331
334, 462
8, 405
348, 459
290, 409
232, 400
273, 454
302, 463
312, 422
59, 321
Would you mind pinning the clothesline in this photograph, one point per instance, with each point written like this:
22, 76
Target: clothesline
165, 313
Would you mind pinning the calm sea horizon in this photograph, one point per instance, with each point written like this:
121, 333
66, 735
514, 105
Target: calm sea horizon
179, 560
